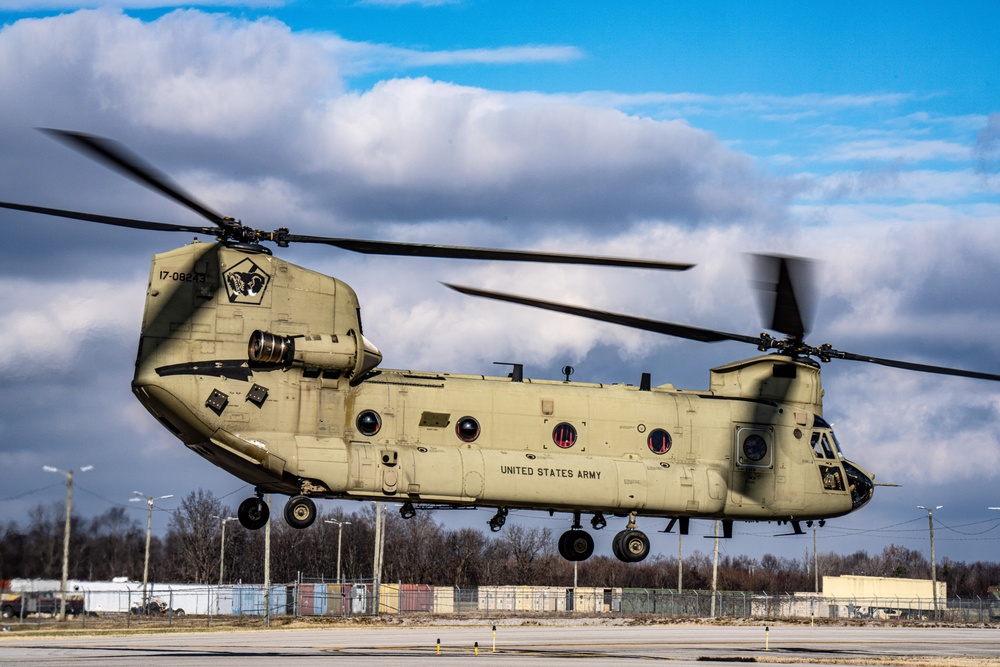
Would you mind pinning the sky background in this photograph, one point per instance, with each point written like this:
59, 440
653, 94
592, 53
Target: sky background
864, 135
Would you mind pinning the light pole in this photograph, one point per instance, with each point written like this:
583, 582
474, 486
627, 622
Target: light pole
222, 547
930, 520
69, 512
340, 534
149, 525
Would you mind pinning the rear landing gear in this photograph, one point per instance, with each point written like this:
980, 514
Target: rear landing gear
253, 513
300, 512
630, 545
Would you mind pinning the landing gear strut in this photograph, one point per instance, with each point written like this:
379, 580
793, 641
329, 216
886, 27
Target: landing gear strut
498, 519
253, 513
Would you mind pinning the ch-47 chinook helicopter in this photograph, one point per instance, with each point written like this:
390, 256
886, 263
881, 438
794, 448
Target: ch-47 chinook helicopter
261, 367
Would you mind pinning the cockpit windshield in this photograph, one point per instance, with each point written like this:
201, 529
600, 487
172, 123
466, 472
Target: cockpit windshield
824, 442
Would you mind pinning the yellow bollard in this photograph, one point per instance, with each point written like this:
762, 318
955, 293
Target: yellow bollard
477, 648
767, 632
494, 640
439, 646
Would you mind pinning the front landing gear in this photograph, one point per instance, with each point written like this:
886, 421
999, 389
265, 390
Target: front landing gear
253, 513
576, 544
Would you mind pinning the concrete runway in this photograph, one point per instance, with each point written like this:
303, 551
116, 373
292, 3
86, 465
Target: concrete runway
522, 645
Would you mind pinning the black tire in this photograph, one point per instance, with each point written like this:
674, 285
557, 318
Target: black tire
7, 612
178, 612
576, 545
300, 512
630, 546
253, 513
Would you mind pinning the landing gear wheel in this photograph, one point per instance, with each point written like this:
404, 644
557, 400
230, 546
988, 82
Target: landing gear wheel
300, 512
630, 546
576, 545
253, 513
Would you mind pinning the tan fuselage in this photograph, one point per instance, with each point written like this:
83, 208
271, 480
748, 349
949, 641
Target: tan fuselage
293, 427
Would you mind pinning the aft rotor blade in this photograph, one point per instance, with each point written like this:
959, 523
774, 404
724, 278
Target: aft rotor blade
678, 330
111, 220
459, 252
911, 366
116, 156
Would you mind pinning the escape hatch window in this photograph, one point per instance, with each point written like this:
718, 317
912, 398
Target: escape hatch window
564, 435
753, 447
659, 441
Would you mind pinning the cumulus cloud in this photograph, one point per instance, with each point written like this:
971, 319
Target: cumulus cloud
408, 149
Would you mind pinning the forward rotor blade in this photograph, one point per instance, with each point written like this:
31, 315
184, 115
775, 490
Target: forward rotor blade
111, 220
787, 294
117, 157
459, 252
678, 330
911, 366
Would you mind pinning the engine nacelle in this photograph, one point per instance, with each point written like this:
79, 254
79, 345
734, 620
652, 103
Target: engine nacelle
350, 353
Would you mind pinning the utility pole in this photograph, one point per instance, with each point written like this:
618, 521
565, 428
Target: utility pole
340, 535
930, 520
222, 546
149, 525
69, 514
680, 562
715, 567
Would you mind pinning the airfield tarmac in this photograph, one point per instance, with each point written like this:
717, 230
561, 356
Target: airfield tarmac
522, 645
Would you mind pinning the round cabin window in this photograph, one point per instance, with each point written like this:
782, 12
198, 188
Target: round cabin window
368, 423
659, 441
467, 429
564, 435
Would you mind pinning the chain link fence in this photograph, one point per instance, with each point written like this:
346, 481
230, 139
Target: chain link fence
199, 606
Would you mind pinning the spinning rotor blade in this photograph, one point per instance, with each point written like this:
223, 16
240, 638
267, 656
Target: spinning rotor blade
117, 157
911, 366
110, 219
458, 252
786, 290
679, 330
791, 348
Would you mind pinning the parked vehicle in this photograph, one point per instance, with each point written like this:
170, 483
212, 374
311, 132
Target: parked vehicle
13, 605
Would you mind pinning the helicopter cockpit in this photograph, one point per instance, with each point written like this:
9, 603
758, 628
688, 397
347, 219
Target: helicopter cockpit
829, 457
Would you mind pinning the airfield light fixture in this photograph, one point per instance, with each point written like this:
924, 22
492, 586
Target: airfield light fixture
930, 520
69, 512
149, 524
222, 548
340, 534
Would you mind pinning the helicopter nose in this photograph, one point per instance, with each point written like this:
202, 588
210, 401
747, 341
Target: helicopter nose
861, 484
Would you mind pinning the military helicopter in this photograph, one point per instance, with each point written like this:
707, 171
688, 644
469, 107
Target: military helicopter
262, 368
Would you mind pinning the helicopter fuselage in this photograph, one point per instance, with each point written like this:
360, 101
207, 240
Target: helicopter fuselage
261, 367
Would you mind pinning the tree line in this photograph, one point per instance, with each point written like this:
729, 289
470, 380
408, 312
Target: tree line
418, 550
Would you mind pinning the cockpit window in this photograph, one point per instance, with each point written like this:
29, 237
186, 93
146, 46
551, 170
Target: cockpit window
819, 422
827, 450
822, 447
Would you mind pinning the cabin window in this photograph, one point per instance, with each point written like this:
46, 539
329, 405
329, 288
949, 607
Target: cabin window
368, 423
467, 429
659, 441
564, 435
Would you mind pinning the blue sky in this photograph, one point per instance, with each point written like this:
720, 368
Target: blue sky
865, 135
